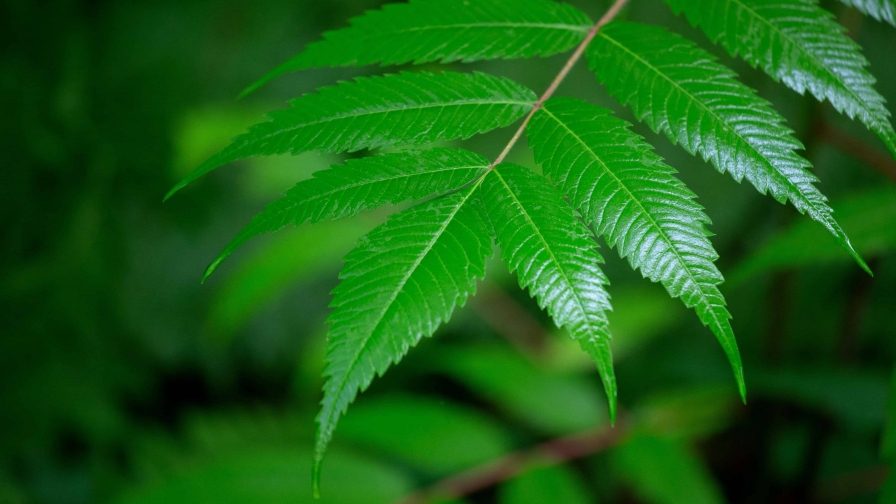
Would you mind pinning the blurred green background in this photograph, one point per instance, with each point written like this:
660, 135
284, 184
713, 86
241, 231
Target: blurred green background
124, 380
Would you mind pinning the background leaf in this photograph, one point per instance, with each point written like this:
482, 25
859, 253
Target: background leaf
553, 402
868, 216
436, 437
269, 475
268, 273
545, 484
662, 471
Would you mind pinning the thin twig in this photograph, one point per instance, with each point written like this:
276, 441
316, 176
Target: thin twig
607, 17
511, 320
552, 452
858, 149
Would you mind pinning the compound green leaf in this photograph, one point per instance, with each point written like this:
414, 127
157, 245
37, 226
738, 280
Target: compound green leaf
633, 199
373, 112
680, 90
554, 257
800, 44
363, 184
423, 31
400, 284
881, 10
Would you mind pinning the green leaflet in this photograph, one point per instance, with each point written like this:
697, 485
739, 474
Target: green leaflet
423, 31
363, 184
800, 44
634, 200
403, 280
372, 112
881, 10
555, 258
680, 90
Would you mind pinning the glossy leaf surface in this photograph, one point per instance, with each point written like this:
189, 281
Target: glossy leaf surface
680, 90
404, 279
363, 184
423, 31
800, 44
634, 200
555, 258
374, 112
882, 10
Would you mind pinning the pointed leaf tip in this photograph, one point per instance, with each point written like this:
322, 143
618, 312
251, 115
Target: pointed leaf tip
315, 483
212, 267
170, 193
612, 405
862, 264
251, 88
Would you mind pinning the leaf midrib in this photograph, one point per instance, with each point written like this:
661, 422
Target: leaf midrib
718, 119
553, 26
363, 346
644, 210
386, 111
550, 251
295, 202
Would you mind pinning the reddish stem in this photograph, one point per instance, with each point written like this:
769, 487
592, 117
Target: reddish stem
607, 17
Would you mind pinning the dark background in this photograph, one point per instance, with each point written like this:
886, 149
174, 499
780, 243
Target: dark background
122, 379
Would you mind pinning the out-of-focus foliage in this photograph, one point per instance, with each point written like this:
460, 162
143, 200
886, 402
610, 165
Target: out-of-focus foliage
545, 484
122, 379
868, 217
661, 471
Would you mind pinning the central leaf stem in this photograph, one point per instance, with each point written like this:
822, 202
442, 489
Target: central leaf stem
607, 17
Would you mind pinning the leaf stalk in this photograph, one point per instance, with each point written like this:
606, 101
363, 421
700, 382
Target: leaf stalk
606, 18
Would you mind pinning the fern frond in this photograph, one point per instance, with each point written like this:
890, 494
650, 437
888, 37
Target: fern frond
800, 44
555, 259
363, 184
680, 90
423, 31
881, 10
403, 280
633, 199
372, 112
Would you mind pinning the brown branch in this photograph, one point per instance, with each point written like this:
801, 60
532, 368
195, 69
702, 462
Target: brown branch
607, 17
854, 484
510, 319
552, 452
858, 149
